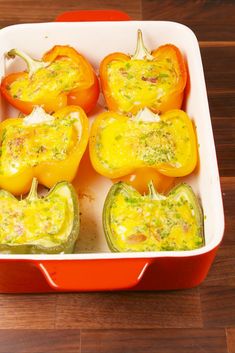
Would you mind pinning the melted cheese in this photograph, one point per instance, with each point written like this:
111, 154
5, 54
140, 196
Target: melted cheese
45, 222
141, 83
137, 143
29, 145
141, 224
62, 75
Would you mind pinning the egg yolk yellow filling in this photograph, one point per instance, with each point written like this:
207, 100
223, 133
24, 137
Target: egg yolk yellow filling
141, 83
63, 75
120, 144
40, 222
29, 145
141, 224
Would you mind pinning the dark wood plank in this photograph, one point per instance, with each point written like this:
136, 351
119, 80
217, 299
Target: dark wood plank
27, 311
225, 154
152, 341
129, 310
228, 184
218, 68
228, 192
23, 11
224, 135
218, 290
208, 19
218, 306
222, 272
39, 341
224, 131
222, 104
231, 340
217, 43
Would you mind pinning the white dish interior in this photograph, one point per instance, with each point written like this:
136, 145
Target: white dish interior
96, 40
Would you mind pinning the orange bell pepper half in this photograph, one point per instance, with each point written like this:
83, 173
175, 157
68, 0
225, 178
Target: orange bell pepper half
156, 80
63, 77
120, 145
48, 147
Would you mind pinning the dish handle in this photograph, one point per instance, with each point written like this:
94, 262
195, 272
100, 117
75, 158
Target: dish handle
92, 16
93, 274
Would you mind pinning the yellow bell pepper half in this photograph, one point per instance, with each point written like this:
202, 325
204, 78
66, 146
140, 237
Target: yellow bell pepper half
48, 147
120, 145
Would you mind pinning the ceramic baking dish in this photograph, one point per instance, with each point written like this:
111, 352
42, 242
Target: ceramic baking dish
93, 267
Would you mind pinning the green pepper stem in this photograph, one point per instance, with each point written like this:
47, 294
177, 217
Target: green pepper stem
33, 190
32, 64
154, 195
141, 52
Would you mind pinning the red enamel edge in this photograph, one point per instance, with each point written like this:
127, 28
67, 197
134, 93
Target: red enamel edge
87, 275
92, 16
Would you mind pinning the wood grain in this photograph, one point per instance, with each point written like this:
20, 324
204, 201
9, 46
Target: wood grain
228, 192
125, 310
217, 44
211, 20
231, 340
24, 11
218, 306
222, 272
218, 290
224, 135
27, 311
39, 341
222, 104
224, 130
152, 341
219, 80
219, 69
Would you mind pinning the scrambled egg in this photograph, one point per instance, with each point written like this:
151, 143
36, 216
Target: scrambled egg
62, 75
123, 143
141, 83
29, 145
141, 224
40, 222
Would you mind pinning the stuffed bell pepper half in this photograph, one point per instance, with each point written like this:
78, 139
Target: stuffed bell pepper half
39, 225
48, 147
62, 77
152, 222
155, 80
120, 145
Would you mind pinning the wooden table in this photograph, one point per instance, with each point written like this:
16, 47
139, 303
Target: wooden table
196, 320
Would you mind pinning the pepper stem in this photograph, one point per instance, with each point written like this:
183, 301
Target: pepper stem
33, 190
37, 116
146, 115
32, 64
141, 52
154, 195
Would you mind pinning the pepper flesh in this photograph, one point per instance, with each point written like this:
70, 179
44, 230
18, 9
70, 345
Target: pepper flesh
119, 145
140, 179
155, 80
63, 77
152, 222
39, 225
48, 147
